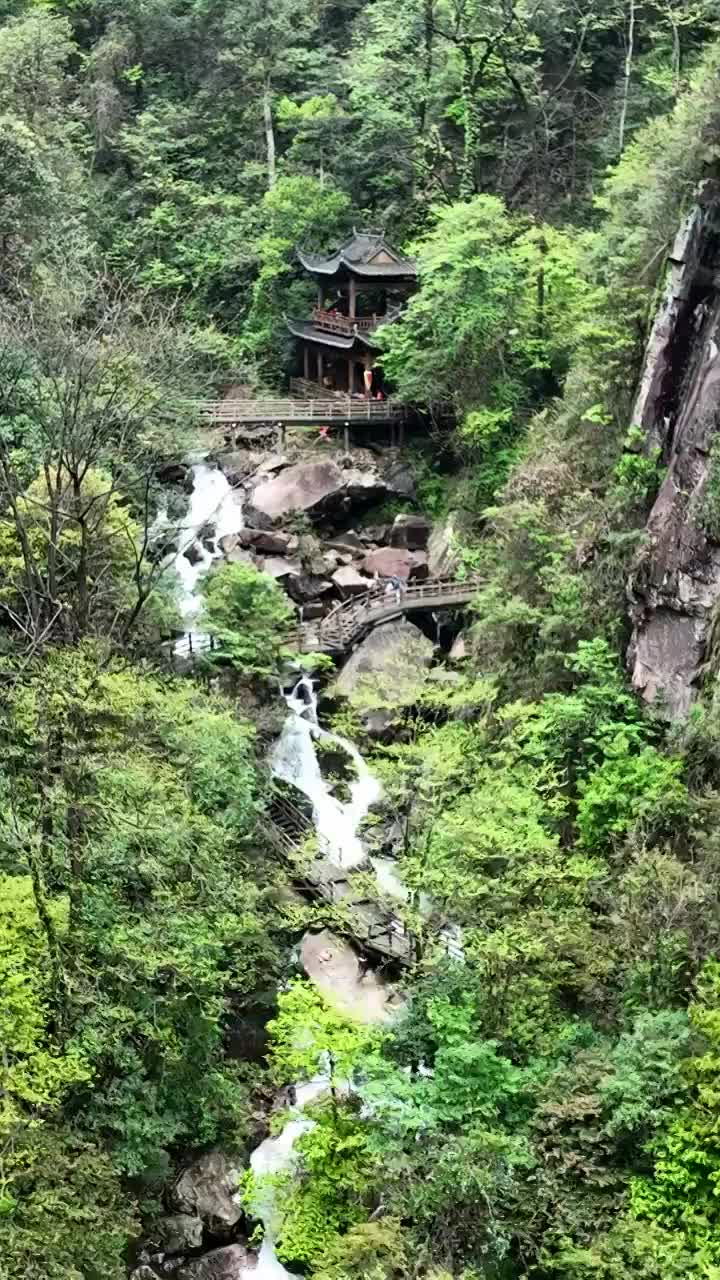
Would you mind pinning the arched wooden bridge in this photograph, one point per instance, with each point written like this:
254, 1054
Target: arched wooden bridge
351, 620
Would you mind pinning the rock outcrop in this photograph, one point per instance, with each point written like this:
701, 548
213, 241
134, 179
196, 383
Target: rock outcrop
230, 1263
675, 585
324, 487
386, 673
207, 1189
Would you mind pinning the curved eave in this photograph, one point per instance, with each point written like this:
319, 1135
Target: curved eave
403, 269
301, 329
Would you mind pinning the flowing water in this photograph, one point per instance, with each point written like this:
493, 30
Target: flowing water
215, 510
295, 760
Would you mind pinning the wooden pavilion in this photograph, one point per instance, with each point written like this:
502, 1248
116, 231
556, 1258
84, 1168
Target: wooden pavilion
363, 284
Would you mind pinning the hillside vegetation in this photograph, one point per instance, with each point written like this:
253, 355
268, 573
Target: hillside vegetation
546, 1107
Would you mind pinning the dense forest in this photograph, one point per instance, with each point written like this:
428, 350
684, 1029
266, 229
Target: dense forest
530, 1092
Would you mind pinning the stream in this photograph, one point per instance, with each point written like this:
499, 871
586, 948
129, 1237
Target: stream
214, 511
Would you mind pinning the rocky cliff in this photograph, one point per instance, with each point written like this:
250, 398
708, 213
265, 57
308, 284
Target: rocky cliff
675, 586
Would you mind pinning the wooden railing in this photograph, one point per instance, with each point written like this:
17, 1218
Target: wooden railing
344, 409
334, 322
349, 621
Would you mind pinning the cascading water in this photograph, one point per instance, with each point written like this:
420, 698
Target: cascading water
214, 507
295, 761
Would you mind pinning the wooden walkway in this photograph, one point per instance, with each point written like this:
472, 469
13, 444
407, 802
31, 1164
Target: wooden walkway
350, 621
340, 410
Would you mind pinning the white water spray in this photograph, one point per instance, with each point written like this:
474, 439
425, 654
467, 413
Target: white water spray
214, 507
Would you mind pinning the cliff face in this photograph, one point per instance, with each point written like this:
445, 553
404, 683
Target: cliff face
675, 586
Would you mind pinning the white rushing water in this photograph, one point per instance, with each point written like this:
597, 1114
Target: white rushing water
295, 760
214, 507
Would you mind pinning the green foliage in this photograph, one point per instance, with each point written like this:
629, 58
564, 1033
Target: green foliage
249, 616
495, 311
142, 827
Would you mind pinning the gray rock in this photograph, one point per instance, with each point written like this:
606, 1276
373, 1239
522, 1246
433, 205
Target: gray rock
180, 1232
278, 567
208, 1189
304, 587
193, 553
675, 585
319, 488
459, 649
268, 542
388, 562
411, 532
143, 1273
385, 673
349, 582
229, 1263
442, 556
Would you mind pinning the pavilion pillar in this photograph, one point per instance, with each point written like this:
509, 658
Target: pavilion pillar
306, 362
321, 297
351, 374
346, 437
352, 298
319, 365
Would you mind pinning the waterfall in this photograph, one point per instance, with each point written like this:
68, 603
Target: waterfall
215, 505
295, 761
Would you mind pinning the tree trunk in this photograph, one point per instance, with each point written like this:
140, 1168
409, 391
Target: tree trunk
467, 175
628, 73
269, 134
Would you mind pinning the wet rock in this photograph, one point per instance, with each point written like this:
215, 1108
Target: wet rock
385, 673
229, 1263
267, 542
143, 1272
180, 1232
208, 1189
173, 473
349, 582
411, 532
193, 553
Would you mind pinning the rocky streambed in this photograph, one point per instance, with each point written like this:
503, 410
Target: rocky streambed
308, 522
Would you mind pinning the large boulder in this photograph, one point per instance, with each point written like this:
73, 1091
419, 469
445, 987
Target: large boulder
442, 552
207, 1189
306, 587
349, 582
388, 562
231, 1263
268, 542
321, 488
180, 1232
386, 673
411, 532
393, 562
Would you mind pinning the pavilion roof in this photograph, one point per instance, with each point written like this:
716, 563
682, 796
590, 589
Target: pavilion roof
364, 253
342, 342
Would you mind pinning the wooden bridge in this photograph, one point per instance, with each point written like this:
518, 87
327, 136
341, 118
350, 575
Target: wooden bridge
351, 620
344, 411
370, 923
